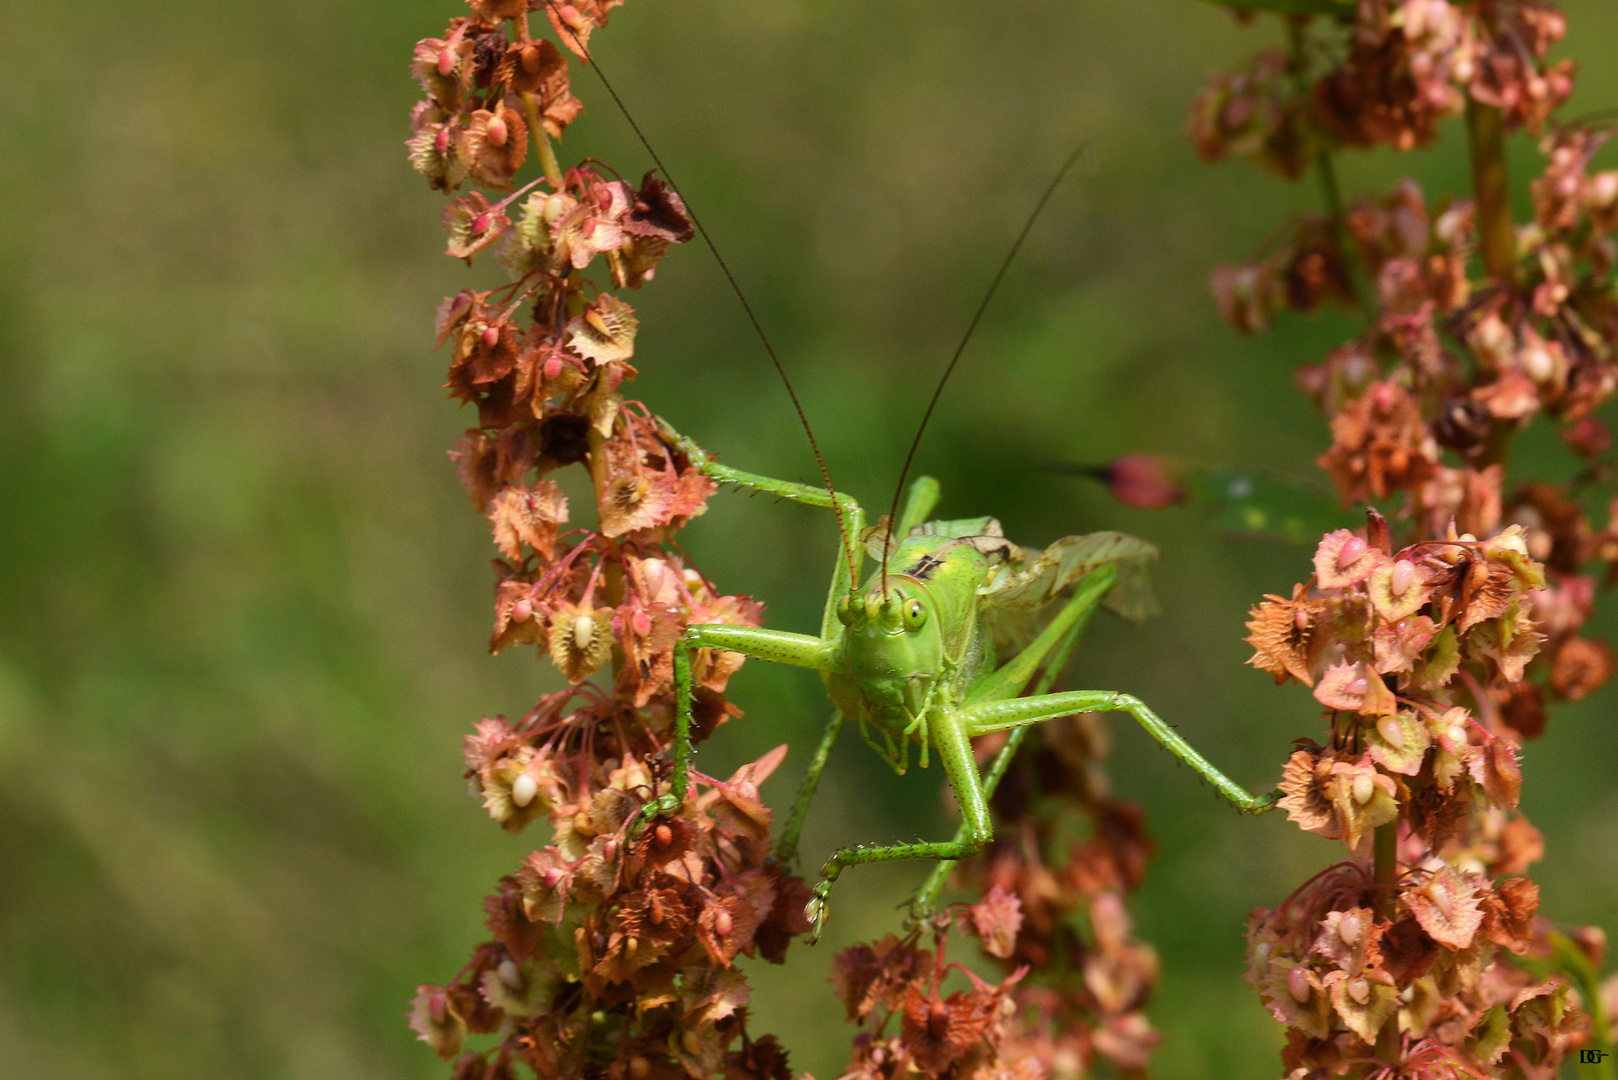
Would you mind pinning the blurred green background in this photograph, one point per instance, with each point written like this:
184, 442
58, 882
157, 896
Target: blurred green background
245, 602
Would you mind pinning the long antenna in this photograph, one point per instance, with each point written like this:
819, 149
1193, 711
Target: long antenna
797, 406
994, 286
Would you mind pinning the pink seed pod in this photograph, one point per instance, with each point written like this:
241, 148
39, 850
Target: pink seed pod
1351, 928
723, 924
496, 131
446, 61
480, 224
438, 1007
1359, 988
491, 336
641, 622
551, 877
1392, 732
553, 368
1142, 481
1298, 984
1402, 577
1353, 548
522, 610
441, 142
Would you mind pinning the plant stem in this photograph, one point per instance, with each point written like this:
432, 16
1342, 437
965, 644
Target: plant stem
1486, 143
542, 142
1331, 193
1386, 846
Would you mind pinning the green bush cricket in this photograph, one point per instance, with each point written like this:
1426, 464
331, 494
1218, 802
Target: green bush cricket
913, 654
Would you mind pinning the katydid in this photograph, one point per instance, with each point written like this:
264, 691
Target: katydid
911, 657
911, 654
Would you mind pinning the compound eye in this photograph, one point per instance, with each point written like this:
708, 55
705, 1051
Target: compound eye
915, 615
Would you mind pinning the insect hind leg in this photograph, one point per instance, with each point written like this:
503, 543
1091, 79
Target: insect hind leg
990, 716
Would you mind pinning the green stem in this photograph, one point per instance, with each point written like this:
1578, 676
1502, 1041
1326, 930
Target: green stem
1331, 193
1486, 144
1386, 846
542, 142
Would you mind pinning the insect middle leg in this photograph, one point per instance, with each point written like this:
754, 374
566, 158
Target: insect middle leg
955, 752
1085, 601
1049, 651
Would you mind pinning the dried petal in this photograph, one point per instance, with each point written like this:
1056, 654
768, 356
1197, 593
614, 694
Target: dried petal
1447, 907
996, 919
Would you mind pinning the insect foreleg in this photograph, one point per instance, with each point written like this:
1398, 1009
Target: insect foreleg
990, 716
955, 752
853, 517
798, 650
786, 848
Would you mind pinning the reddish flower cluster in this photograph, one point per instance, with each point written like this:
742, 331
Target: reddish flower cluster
1403, 68
612, 949
1399, 646
958, 1036
1434, 659
1089, 978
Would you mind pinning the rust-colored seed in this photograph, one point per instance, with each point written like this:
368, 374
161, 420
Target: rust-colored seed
664, 836
692, 1044
491, 336
531, 57
938, 1019
723, 924
496, 131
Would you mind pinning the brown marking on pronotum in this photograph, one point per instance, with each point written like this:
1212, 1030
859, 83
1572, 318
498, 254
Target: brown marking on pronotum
924, 567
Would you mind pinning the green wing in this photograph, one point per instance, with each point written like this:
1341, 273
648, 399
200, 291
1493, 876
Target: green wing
1023, 591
